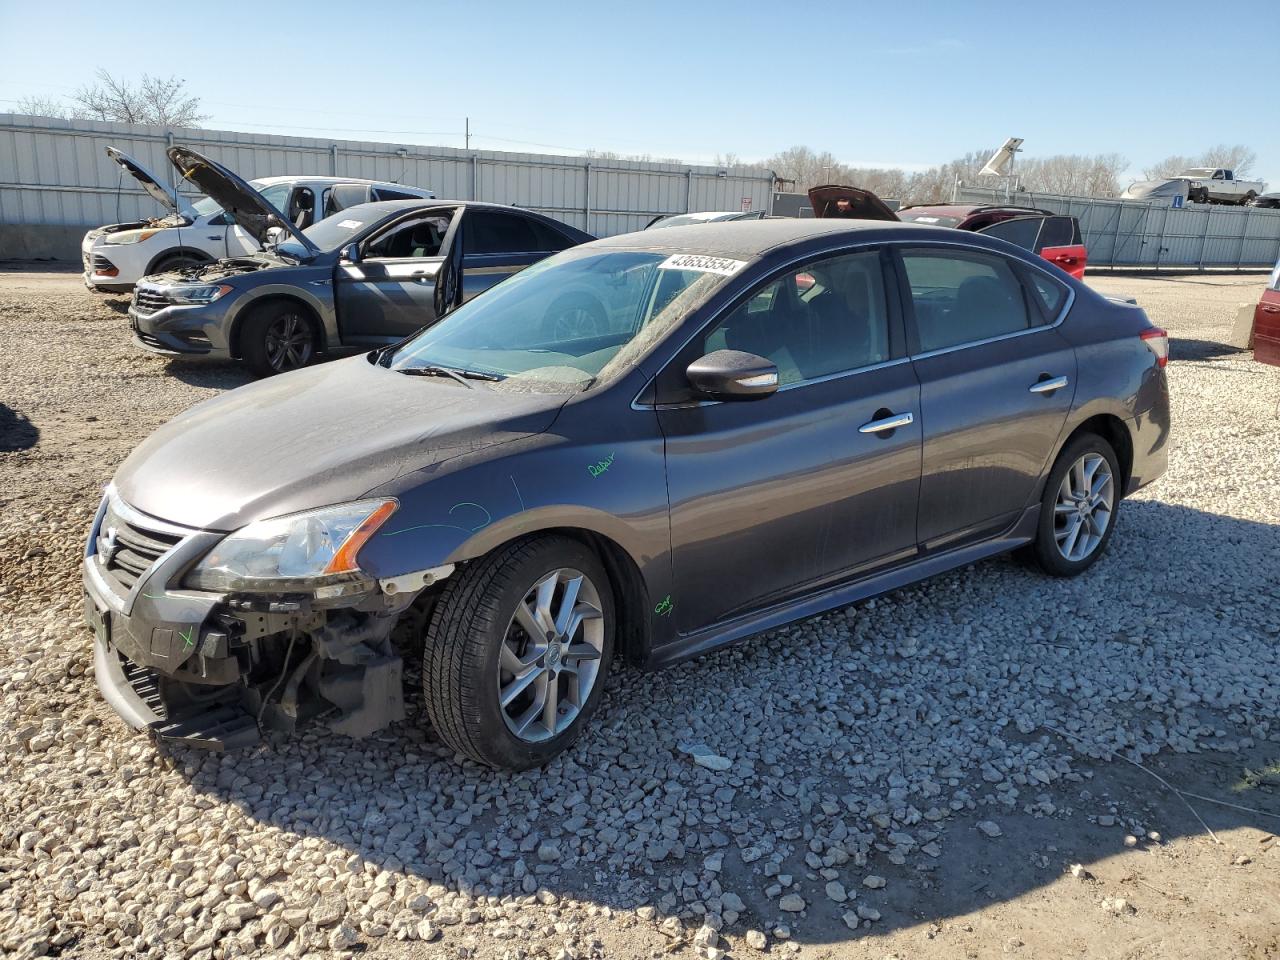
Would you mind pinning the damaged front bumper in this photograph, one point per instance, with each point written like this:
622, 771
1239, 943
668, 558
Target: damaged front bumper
213, 670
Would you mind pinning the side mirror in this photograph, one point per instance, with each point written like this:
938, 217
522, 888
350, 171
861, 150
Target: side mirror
276, 236
351, 253
733, 375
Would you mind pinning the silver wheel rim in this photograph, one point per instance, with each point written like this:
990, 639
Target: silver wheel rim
288, 342
1082, 512
550, 656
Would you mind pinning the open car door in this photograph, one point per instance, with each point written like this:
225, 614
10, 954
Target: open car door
857, 204
1056, 238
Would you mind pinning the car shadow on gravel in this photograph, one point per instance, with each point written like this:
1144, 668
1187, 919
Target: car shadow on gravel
829, 794
216, 374
1183, 348
16, 431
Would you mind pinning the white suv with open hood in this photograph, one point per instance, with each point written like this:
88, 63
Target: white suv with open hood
119, 255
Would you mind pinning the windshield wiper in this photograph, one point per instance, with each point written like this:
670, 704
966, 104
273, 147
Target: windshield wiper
462, 376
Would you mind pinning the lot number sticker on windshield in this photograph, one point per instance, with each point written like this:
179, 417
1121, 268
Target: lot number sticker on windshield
349, 224
694, 261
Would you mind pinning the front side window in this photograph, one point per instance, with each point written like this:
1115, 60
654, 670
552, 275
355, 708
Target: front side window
410, 240
517, 332
829, 316
961, 297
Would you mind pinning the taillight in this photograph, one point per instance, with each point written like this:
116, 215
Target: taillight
1157, 342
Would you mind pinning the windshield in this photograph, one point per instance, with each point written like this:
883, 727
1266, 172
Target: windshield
331, 233
936, 219
568, 321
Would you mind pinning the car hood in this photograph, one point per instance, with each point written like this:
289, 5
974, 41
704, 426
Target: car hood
165, 195
864, 205
322, 435
250, 209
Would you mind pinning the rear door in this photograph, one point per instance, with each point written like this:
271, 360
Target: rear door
389, 293
996, 383
1056, 238
498, 243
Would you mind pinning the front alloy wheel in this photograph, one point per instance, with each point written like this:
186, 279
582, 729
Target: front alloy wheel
288, 343
517, 650
550, 656
277, 337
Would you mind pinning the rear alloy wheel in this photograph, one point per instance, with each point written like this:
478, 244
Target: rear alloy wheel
517, 651
1078, 511
277, 338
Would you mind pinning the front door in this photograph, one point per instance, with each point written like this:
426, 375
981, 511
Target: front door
777, 496
997, 380
388, 294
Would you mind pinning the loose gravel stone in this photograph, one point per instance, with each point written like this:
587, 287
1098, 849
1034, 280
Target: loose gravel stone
873, 882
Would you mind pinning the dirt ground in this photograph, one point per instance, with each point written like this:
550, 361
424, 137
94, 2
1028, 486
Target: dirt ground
76, 396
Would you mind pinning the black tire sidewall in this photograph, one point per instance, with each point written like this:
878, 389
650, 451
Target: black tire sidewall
493, 606
1045, 547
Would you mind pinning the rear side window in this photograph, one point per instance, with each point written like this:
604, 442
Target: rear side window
960, 297
1051, 294
385, 193
1059, 232
1020, 231
488, 232
548, 238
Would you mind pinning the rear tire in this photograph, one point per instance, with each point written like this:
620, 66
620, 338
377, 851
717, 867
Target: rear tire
1249, 198
276, 338
1079, 508
479, 654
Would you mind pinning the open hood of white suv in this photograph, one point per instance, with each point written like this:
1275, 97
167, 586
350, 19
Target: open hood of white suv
251, 211
163, 194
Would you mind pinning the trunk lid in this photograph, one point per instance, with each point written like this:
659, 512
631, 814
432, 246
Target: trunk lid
863, 204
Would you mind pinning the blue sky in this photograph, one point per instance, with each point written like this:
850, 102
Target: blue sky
902, 84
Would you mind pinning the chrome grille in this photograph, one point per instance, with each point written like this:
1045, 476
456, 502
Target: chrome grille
147, 300
127, 550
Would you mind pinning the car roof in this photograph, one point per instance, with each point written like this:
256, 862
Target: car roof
317, 178
378, 209
747, 239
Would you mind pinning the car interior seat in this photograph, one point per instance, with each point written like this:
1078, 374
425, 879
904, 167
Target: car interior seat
985, 307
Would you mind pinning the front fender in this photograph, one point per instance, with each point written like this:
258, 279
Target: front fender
316, 294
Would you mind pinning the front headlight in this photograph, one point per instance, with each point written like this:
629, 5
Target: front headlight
206, 294
129, 236
295, 553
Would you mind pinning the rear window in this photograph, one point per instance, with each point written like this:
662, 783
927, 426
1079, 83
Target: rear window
1021, 231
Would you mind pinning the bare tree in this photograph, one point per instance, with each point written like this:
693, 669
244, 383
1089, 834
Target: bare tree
1074, 175
1168, 167
1235, 157
152, 100
42, 106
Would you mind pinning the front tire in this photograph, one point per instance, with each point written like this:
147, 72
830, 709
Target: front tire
277, 338
517, 650
1079, 507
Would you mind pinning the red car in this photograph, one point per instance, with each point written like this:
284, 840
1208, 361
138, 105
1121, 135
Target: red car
1266, 323
1055, 237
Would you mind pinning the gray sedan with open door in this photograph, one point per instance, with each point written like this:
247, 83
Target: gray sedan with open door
369, 276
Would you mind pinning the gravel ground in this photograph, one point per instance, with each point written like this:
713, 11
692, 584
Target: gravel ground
913, 777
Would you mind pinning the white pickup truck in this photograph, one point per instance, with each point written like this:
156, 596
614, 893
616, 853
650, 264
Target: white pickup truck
1218, 185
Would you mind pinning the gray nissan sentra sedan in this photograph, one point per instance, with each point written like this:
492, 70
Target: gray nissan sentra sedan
772, 419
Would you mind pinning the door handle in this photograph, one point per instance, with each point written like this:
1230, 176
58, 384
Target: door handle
216, 236
891, 422
1048, 386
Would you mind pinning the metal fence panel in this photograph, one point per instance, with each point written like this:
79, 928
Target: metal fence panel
55, 173
1139, 233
